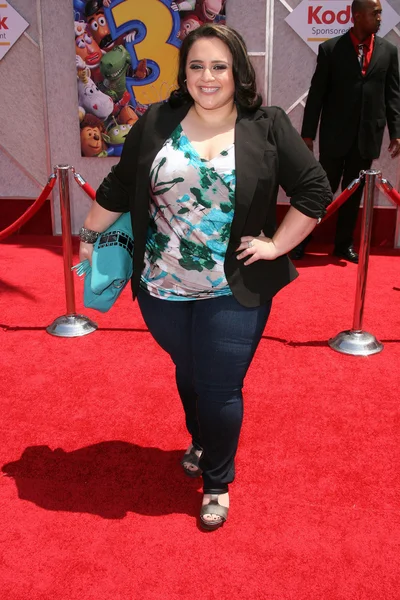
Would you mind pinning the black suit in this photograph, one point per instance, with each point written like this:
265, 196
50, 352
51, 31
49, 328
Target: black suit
268, 153
353, 110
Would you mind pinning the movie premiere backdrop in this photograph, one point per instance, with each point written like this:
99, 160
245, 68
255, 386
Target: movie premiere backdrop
126, 59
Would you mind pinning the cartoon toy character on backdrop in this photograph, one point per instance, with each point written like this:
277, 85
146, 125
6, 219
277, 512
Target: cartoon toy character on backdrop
88, 50
189, 22
183, 5
209, 11
115, 137
97, 23
92, 140
127, 116
94, 101
114, 67
79, 10
90, 98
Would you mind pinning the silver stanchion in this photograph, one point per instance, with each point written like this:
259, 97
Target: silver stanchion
355, 341
71, 324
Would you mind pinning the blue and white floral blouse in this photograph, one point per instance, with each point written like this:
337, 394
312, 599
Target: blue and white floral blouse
191, 212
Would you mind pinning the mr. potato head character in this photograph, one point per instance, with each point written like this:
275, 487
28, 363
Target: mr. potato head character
97, 24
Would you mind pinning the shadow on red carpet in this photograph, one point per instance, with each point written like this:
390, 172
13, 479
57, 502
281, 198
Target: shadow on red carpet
108, 479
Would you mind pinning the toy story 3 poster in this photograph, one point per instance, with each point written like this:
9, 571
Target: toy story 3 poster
126, 59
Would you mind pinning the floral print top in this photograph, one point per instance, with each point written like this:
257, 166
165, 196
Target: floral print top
191, 212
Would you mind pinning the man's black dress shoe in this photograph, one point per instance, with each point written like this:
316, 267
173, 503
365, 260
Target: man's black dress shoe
347, 253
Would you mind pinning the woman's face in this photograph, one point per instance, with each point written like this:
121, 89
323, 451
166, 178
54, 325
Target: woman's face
209, 73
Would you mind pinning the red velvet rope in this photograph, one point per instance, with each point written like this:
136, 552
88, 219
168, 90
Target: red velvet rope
84, 185
31, 210
389, 190
385, 185
341, 199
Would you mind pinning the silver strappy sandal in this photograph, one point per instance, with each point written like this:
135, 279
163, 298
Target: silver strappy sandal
192, 458
213, 508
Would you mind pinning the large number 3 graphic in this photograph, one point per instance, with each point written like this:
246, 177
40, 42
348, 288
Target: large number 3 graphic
156, 28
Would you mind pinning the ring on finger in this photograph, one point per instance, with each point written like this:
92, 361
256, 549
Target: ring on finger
250, 244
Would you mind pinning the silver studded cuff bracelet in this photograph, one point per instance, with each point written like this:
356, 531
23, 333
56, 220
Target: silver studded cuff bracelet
88, 235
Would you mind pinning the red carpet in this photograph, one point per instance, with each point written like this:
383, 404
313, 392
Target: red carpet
94, 504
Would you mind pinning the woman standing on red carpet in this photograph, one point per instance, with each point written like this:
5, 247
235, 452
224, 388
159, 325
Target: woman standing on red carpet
200, 176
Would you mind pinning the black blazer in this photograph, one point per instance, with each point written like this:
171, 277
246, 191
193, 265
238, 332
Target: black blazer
353, 105
268, 153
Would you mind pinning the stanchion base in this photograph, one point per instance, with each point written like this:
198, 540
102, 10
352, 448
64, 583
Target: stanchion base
357, 343
71, 326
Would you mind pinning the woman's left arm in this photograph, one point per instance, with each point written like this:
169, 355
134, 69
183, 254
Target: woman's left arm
305, 182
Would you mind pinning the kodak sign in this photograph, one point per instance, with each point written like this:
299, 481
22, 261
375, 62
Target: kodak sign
319, 15
316, 21
12, 26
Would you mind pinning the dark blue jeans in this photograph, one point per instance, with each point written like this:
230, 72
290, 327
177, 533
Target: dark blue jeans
211, 343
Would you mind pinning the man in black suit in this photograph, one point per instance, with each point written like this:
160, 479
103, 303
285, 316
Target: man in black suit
355, 90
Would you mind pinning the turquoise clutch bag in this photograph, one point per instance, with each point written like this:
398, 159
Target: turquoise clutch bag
112, 265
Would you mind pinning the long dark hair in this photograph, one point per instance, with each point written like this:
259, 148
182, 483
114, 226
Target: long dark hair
246, 95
